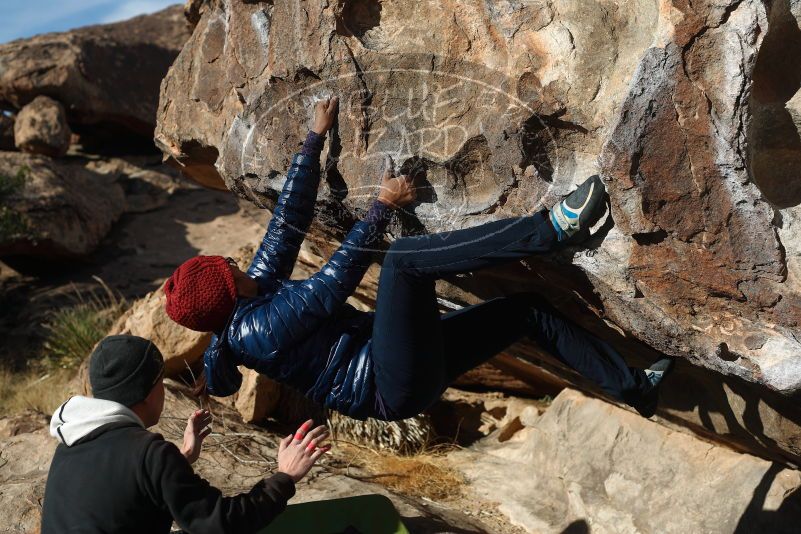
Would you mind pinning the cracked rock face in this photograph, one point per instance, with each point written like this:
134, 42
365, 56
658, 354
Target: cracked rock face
687, 112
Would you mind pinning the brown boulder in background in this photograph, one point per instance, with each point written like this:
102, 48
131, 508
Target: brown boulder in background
41, 128
54, 209
106, 74
258, 397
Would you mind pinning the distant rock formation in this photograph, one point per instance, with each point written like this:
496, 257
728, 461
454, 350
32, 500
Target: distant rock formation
104, 74
53, 209
505, 105
102, 83
58, 209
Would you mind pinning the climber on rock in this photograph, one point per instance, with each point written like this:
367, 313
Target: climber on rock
109, 474
394, 363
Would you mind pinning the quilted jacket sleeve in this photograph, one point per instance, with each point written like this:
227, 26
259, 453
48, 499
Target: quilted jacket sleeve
292, 216
296, 311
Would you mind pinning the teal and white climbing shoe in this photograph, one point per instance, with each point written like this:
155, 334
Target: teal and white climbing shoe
579, 210
657, 370
655, 375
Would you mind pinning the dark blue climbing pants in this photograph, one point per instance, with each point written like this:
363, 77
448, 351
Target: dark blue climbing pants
418, 352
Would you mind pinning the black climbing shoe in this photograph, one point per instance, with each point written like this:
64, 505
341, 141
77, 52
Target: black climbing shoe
655, 374
579, 210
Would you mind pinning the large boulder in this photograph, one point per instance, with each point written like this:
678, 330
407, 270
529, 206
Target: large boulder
64, 208
679, 106
102, 74
53, 209
41, 128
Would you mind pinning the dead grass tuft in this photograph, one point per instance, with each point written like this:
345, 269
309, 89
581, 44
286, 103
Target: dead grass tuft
28, 390
424, 474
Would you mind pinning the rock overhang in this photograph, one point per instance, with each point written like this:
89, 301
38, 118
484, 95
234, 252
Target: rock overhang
654, 96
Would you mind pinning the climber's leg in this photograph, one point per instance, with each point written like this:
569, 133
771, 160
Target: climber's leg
407, 334
407, 342
592, 357
423, 358
475, 334
471, 249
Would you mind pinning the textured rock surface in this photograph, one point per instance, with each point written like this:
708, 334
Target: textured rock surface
26, 459
258, 397
65, 207
41, 128
147, 184
509, 104
180, 346
57, 209
584, 461
107, 73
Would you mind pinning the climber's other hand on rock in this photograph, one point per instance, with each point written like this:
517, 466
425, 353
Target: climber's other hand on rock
396, 192
325, 113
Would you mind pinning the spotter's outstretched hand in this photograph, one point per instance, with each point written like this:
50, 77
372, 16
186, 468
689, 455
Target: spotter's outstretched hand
297, 453
197, 428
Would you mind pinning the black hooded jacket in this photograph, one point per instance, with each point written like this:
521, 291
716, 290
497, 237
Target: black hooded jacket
110, 475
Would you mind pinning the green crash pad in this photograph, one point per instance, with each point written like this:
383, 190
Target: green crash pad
365, 514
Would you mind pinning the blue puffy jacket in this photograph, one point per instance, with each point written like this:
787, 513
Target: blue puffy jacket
301, 332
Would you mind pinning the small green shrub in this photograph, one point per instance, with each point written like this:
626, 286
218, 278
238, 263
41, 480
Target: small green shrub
71, 333
74, 330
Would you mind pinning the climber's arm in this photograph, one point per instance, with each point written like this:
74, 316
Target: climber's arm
297, 310
294, 210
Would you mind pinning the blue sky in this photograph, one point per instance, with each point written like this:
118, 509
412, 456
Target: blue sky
23, 18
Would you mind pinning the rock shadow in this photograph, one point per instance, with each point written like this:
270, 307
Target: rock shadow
773, 138
361, 19
578, 526
721, 408
782, 520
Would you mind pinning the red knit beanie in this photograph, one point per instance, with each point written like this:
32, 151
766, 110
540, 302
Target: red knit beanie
201, 294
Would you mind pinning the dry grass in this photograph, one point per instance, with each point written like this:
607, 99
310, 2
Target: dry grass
424, 474
35, 391
71, 333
